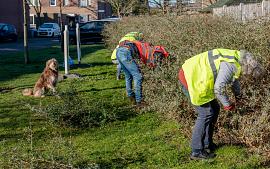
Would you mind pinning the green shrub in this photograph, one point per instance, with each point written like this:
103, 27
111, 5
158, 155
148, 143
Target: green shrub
187, 36
73, 110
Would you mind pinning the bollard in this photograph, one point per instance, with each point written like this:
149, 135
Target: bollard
66, 49
78, 37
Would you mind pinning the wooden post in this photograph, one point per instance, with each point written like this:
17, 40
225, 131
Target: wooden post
241, 12
263, 8
78, 37
224, 10
66, 49
25, 33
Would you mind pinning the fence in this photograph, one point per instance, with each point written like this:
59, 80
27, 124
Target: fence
244, 12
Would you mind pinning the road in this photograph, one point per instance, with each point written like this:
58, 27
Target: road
34, 43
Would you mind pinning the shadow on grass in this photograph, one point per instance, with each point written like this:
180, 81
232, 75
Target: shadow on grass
96, 90
93, 64
12, 65
120, 162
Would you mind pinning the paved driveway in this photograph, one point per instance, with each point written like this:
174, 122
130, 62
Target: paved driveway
34, 43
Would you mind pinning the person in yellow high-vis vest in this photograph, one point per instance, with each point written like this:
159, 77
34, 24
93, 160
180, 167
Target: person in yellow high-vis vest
131, 36
203, 79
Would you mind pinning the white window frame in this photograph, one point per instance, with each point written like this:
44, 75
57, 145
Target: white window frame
34, 3
54, 3
66, 2
33, 24
32, 15
89, 2
85, 4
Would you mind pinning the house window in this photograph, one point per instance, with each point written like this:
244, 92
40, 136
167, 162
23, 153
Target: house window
33, 2
52, 2
83, 3
66, 2
32, 20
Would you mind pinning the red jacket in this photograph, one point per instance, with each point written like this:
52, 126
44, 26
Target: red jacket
146, 51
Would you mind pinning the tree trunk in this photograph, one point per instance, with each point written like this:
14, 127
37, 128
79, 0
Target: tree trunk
38, 20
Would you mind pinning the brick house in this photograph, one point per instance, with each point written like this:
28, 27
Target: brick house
73, 11
11, 12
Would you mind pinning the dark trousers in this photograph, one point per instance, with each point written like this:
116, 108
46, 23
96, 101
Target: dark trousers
202, 135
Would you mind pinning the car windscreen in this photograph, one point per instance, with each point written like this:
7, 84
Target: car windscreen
90, 25
94, 25
47, 26
100, 25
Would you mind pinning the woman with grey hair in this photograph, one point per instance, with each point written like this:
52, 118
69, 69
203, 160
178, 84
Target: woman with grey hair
203, 78
250, 66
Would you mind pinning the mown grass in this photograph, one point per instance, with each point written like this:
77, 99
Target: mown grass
134, 140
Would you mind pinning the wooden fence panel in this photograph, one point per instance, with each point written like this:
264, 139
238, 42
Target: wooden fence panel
244, 12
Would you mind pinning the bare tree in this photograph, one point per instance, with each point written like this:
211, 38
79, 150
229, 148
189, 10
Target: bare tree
122, 7
37, 6
162, 4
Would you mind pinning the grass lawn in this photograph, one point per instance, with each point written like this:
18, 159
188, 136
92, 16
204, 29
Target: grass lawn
132, 140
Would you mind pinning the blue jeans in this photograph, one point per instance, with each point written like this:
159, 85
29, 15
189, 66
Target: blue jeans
202, 135
132, 72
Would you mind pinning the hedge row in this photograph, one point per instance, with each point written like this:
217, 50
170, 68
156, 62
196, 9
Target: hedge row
187, 36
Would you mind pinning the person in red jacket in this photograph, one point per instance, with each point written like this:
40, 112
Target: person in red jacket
129, 55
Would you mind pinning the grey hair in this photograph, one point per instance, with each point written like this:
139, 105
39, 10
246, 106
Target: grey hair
249, 65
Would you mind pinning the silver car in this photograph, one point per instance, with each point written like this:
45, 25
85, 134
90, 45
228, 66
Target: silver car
49, 30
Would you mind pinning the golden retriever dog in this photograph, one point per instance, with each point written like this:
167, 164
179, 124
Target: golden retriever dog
46, 81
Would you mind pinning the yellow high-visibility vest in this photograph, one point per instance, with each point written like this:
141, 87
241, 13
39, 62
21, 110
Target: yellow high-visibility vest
131, 36
201, 72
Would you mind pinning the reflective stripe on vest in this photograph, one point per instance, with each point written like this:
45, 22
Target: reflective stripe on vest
201, 72
212, 59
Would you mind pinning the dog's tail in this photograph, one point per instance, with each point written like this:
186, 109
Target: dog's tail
27, 92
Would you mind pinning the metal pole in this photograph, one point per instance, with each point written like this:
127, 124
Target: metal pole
25, 34
66, 49
78, 43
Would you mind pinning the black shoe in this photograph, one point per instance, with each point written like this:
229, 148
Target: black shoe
203, 155
211, 148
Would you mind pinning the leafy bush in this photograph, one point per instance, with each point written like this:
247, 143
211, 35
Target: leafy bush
73, 110
187, 36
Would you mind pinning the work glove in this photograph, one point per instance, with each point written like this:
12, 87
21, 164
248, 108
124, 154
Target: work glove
229, 108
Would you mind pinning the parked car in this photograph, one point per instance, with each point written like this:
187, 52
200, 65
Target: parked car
90, 31
49, 30
8, 32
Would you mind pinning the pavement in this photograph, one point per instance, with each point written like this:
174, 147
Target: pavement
34, 43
